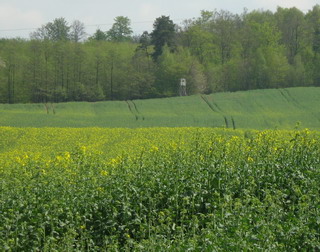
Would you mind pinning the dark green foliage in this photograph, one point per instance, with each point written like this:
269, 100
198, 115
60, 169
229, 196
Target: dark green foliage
163, 34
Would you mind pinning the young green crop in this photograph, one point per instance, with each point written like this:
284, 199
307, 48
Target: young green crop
159, 189
255, 109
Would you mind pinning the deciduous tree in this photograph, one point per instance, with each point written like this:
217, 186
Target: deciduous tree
120, 30
77, 31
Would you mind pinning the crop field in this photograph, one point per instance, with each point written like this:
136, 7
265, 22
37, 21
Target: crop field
256, 109
159, 189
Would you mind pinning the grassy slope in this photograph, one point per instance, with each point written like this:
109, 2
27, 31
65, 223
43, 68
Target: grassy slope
257, 109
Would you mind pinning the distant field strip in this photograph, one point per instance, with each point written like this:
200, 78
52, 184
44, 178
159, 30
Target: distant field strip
256, 109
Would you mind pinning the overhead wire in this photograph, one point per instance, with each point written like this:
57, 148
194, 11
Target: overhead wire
85, 25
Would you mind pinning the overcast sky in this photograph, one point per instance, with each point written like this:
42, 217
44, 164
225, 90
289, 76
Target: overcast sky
20, 17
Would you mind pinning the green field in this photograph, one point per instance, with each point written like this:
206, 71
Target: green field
257, 109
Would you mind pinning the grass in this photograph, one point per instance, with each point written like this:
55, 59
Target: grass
257, 109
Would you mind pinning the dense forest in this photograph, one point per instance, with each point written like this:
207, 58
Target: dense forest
218, 51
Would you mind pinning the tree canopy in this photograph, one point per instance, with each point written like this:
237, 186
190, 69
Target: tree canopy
218, 51
163, 34
121, 30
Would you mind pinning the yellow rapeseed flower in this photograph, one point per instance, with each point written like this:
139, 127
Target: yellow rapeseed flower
103, 173
67, 155
100, 189
154, 148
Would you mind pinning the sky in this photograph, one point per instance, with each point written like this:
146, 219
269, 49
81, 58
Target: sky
18, 18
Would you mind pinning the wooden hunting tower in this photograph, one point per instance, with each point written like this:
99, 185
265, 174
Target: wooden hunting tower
183, 87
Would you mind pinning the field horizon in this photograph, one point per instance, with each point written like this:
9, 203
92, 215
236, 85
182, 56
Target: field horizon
255, 109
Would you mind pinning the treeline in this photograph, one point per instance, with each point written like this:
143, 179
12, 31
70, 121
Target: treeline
219, 51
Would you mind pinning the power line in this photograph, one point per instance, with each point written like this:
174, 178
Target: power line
86, 25
18, 29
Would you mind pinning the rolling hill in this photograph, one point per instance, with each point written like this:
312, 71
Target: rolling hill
256, 109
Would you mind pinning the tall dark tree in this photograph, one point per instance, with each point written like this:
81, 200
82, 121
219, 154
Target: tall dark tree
163, 34
144, 44
145, 39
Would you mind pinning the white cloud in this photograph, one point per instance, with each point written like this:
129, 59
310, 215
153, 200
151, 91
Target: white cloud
148, 11
12, 18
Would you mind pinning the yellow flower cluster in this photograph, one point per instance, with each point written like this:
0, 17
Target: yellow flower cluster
68, 149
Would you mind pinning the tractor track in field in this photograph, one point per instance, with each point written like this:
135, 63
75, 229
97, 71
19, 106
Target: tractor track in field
233, 123
209, 104
216, 109
134, 110
217, 106
130, 109
49, 107
290, 99
284, 96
